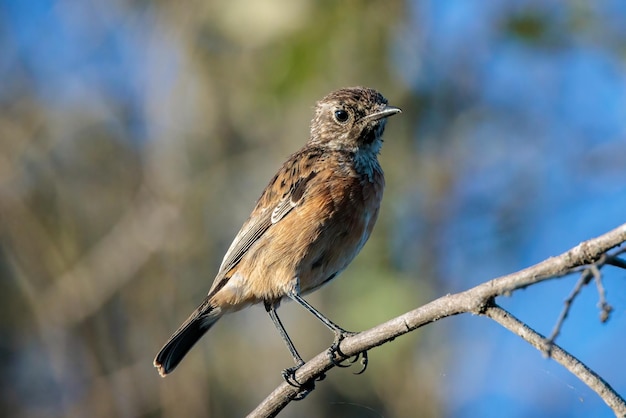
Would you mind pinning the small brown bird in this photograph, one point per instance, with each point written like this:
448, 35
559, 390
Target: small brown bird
312, 219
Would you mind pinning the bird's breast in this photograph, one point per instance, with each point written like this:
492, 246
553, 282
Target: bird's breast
348, 207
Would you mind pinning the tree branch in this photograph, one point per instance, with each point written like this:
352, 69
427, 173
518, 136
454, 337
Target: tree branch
479, 301
571, 363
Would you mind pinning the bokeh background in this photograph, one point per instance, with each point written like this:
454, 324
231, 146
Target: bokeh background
135, 137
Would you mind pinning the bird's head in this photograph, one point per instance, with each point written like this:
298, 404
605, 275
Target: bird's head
351, 119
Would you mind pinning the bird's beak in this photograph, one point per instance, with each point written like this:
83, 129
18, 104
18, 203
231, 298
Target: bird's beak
384, 113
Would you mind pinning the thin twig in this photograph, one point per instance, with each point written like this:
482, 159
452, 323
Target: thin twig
584, 280
605, 308
571, 363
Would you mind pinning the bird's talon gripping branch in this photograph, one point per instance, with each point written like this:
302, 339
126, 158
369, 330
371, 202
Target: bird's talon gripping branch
289, 375
337, 357
303, 388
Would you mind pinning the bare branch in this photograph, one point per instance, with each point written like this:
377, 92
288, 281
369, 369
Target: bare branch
605, 308
583, 281
571, 363
478, 300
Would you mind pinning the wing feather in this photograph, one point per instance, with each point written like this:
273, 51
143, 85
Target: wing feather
289, 188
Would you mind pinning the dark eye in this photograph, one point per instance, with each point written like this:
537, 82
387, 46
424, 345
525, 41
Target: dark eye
341, 115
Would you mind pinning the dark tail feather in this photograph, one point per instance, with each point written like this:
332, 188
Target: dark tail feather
185, 337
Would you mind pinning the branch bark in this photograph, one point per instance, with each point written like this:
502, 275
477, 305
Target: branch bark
478, 300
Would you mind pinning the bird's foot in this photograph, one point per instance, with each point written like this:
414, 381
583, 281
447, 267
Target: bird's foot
289, 375
304, 388
337, 357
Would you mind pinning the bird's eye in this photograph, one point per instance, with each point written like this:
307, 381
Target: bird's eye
341, 115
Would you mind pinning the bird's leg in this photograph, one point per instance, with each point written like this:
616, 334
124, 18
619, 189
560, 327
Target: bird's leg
289, 374
334, 352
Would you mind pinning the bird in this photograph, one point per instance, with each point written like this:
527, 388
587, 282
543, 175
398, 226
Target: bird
311, 220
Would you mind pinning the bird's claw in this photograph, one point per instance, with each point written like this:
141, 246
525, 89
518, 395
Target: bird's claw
364, 361
304, 388
289, 375
337, 357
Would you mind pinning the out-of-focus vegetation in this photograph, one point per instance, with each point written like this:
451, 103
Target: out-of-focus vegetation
136, 136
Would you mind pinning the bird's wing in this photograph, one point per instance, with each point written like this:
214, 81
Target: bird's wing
282, 194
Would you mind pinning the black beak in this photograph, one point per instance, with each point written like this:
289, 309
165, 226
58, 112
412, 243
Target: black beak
384, 113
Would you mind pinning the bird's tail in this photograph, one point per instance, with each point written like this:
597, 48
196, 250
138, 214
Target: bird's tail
179, 344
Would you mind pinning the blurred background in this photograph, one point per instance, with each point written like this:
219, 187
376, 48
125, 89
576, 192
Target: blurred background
135, 137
